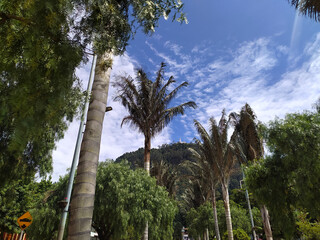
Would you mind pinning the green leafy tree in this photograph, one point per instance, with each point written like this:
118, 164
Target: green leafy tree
310, 230
288, 178
239, 234
16, 199
240, 217
46, 211
200, 220
39, 92
127, 199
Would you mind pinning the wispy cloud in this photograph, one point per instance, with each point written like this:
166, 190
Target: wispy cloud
242, 75
245, 75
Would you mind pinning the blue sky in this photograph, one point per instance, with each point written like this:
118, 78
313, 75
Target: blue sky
231, 52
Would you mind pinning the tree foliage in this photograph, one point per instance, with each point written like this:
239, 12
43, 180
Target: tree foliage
167, 175
16, 199
289, 177
199, 220
39, 90
109, 25
310, 229
126, 200
238, 234
46, 212
240, 217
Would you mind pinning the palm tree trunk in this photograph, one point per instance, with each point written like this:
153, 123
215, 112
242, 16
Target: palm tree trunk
266, 222
147, 150
214, 206
207, 233
225, 194
82, 201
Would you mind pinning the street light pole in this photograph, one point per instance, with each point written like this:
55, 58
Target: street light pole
76, 152
249, 207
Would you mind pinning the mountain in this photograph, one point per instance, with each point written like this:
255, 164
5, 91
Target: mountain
173, 153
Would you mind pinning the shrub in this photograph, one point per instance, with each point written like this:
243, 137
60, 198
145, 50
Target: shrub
238, 234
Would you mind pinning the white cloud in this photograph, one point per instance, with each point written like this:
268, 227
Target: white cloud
180, 66
244, 75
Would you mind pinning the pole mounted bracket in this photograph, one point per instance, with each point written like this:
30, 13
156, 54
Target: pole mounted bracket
108, 109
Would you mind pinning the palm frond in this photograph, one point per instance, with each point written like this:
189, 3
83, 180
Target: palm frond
223, 128
247, 133
147, 101
132, 122
216, 138
156, 86
309, 8
162, 92
174, 92
167, 115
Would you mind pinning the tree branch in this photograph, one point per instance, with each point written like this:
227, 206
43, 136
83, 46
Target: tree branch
5, 17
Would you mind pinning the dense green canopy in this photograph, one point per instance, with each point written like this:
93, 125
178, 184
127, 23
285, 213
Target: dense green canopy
289, 178
18, 198
126, 200
39, 92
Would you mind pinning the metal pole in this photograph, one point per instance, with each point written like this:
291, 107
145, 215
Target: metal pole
21, 235
76, 152
249, 207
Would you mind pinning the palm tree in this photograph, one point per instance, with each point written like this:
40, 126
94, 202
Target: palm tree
201, 174
220, 155
166, 175
82, 201
148, 105
251, 147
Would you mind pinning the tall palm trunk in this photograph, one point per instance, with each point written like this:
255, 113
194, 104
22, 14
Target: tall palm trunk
266, 222
82, 201
147, 151
226, 202
214, 206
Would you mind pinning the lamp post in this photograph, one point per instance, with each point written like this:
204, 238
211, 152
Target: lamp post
249, 207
